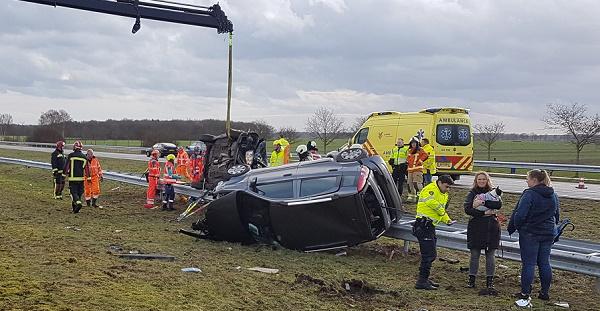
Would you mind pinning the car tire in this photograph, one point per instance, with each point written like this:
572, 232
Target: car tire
351, 155
207, 138
238, 170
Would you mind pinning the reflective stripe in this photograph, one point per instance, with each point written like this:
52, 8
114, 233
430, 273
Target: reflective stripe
54, 170
75, 178
426, 199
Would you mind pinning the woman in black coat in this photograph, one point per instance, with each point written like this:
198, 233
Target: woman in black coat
483, 230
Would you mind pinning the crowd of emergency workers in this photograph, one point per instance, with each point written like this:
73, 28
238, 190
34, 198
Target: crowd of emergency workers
535, 217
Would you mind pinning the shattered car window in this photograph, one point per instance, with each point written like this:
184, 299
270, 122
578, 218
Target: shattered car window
315, 186
278, 190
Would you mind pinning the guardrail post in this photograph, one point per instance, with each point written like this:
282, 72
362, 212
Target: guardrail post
407, 246
513, 170
597, 287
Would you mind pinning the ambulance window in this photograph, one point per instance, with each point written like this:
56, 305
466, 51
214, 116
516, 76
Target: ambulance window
361, 136
453, 135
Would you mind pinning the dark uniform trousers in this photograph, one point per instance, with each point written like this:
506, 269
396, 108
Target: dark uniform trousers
399, 174
424, 231
76, 189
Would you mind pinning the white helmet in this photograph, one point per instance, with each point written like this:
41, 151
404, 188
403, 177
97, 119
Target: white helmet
301, 149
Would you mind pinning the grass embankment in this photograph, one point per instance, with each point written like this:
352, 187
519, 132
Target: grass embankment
52, 259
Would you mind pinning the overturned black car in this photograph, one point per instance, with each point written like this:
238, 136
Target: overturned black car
308, 206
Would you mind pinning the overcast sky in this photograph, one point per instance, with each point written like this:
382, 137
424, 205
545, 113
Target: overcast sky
505, 60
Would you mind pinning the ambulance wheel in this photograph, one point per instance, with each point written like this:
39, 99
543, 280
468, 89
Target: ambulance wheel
238, 170
351, 155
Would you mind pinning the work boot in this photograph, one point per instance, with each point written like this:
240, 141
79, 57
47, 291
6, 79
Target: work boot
88, 203
74, 207
434, 284
471, 282
164, 206
423, 283
94, 202
170, 206
77, 208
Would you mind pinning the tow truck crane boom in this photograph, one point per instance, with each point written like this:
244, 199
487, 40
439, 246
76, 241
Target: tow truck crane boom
212, 17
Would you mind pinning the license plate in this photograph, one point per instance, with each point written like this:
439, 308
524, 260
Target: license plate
444, 165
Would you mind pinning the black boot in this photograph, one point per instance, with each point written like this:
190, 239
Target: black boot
77, 207
171, 208
94, 202
74, 207
423, 283
88, 203
471, 282
489, 287
434, 284
164, 206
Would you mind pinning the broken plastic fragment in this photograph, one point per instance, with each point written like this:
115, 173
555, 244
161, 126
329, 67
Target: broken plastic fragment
191, 269
264, 270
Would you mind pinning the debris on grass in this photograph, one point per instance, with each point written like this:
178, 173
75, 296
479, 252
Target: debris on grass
147, 256
264, 270
562, 304
72, 228
449, 260
191, 269
502, 267
116, 188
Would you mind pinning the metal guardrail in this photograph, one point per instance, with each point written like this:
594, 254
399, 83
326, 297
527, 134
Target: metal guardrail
568, 254
546, 166
52, 146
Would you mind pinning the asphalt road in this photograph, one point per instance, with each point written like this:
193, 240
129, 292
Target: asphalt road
511, 185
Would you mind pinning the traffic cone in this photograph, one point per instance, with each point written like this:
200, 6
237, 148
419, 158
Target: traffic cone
581, 184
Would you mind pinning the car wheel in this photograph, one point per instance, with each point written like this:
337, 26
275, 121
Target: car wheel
207, 138
350, 155
238, 170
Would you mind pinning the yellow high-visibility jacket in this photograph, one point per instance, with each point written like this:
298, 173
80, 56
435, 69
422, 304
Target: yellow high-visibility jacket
279, 158
429, 164
432, 204
399, 155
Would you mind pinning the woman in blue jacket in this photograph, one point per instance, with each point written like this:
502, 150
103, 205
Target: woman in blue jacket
535, 217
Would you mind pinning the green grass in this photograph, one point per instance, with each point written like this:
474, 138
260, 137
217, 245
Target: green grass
547, 152
47, 266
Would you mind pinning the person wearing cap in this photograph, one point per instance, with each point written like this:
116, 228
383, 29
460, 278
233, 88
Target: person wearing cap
431, 211
74, 169
93, 177
57, 159
313, 150
278, 154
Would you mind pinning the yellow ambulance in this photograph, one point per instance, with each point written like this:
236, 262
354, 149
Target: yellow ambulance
448, 130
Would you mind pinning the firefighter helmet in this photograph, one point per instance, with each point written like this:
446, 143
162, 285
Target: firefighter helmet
60, 144
77, 145
155, 153
312, 145
171, 157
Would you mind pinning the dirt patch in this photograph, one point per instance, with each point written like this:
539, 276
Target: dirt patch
357, 289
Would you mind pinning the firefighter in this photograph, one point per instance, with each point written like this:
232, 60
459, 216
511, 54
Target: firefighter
303, 154
93, 177
399, 166
183, 163
197, 165
278, 154
58, 164
153, 176
74, 169
313, 150
429, 165
414, 159
170, 178
431, 211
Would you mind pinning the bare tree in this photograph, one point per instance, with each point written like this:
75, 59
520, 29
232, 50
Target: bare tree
357, 124
489, 134
263, 129
325, 125
56, 119
290, 134
574, 121
6, 121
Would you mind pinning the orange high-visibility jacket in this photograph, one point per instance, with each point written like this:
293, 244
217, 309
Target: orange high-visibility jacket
92, 169
415, 160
